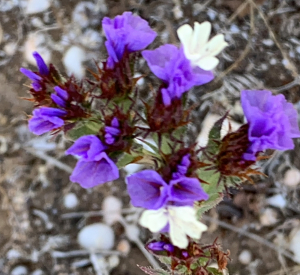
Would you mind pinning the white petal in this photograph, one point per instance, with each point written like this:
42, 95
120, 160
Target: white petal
177, 234
208, 63
154, 220
183, 213
216, 45
195, 229
185, 34
200, 35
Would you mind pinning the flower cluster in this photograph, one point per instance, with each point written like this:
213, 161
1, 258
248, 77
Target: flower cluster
108, 121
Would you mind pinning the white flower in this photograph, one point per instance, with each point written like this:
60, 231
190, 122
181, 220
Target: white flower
196, 46
182, 222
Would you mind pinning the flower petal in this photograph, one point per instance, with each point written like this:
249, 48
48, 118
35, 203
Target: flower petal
154, 220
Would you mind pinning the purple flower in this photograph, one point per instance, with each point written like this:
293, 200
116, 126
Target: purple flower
91, 173
126, 32
170, 64
60, 97
147, 189
272, 122
183, 167
87, 147
111, 132
43, 70
185, 191
45, 119
160, 246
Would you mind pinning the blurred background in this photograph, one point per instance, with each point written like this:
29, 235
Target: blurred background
44, 217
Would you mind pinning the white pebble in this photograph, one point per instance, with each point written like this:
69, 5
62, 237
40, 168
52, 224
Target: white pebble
36, 42
72, 61
97, 236
268, 42
277, 201
38, 272
273, 61
245, 257
91, 39
112, 207
294, 244
81, 13
113, 261
19, 270
298, 49
234, 29
268, 217
211, 14
36, 6
132, 168
10, 48
292, 177
70, 201
13, 254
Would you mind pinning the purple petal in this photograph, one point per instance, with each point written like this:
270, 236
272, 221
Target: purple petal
91, 173
147, 189
49, 111
109, 139
111, 130
58, 100
43, 69
186, 191
88, 147
115, 123
36, 86
31, 75
42, 124
61, 92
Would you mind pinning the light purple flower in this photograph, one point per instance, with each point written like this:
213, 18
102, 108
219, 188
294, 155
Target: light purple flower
45, 119
272, 122
91, 173
147, 189
87, 147
170, 64
185, 191
126, 32
160, 246
111, 132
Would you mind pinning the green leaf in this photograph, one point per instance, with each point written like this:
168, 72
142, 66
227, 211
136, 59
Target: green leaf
84, 128
165, 143
214, 271
125, 159
215, 136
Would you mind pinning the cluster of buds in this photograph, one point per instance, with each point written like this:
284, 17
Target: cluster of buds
105, 121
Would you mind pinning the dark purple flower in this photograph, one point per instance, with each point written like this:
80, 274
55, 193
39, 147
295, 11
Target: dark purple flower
43, 69
60, 97
185, 191
170, 64
272, 122
45, 119
182, 168
31, 75
160, 246
111, 132
87, 147
126, 32
147, 189
91, 173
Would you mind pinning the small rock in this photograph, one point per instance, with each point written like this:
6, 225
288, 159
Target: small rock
132, 168
112, 207
72, 61
70, 201
132, 232
97, 236
292, 177
36, 42
113, 261
37, 6
277, 201
19, 270
82, 14
273, 61
38, 272
13, 254
268, 42
10, 48
124, 247
91, 39
294, 244
234, 29
211, 14
245, 257
268, 217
